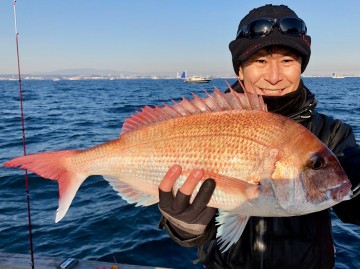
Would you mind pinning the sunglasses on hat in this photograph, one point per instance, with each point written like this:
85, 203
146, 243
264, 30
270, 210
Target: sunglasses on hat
264, 26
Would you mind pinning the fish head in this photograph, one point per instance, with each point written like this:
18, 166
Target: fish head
322, 173
308, 177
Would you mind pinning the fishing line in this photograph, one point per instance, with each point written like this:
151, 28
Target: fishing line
23, 139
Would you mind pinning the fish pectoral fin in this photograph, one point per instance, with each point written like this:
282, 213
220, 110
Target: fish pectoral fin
130, 194
231, 227
249, 191
284, 191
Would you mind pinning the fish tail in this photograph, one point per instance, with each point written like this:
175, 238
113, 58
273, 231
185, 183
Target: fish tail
56, 166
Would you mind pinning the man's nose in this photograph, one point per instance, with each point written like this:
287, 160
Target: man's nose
274, 73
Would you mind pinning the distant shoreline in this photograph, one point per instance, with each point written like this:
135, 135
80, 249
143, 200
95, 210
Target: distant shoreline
13, 77
92, 77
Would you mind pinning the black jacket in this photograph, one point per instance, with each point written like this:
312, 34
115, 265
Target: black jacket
291, 242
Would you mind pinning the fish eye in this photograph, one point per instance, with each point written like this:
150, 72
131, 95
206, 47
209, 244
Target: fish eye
317, 162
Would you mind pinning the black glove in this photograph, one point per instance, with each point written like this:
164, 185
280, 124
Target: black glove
188, 220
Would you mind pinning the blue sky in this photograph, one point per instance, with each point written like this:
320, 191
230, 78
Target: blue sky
161, 35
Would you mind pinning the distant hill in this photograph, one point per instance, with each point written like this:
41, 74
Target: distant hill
88, 72
83, 71
102, 72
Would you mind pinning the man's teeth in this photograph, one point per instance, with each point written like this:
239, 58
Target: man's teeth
273, 92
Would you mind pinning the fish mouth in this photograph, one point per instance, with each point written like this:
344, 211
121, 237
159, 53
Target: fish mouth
340, 192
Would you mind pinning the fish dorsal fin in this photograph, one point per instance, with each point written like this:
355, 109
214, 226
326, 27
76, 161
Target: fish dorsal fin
214, 102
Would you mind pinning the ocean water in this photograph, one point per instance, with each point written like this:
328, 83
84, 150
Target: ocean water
99, 224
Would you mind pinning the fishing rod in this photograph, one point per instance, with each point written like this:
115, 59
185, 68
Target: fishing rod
23, 139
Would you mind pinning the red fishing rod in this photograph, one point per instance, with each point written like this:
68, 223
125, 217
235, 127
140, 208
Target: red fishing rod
24, 139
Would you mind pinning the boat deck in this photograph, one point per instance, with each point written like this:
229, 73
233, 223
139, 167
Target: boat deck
23, 261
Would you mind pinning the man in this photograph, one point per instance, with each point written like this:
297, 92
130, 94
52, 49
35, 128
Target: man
270, 52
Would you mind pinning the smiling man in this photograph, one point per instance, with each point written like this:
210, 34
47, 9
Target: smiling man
269, 54
273, 71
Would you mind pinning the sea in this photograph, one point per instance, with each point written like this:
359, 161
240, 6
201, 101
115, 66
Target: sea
77, 114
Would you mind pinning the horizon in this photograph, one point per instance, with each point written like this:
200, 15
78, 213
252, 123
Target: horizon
124, 73
158, 37
86, 75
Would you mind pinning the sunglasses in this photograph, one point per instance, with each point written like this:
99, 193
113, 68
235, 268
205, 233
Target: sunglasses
263, 27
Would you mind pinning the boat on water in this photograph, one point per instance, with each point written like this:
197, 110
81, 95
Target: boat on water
337, 76
195, 79
22, 261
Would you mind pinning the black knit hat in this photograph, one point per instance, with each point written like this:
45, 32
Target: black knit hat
243, 48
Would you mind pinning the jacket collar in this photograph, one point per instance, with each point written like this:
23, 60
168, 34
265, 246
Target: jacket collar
306, 110
298, 105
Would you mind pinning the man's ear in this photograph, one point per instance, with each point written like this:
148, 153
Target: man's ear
241, 74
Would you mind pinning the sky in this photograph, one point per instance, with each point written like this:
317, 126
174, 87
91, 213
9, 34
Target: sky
158, 36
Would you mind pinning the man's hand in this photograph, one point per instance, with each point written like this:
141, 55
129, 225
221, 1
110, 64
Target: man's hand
187, 220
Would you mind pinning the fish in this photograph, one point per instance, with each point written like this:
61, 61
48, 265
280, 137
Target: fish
264, 164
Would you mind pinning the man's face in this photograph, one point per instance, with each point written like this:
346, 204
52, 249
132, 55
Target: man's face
271, 72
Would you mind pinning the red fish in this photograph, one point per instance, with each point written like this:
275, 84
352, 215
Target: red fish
264, 164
